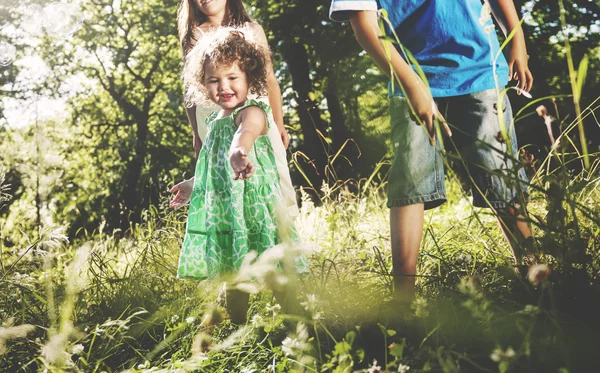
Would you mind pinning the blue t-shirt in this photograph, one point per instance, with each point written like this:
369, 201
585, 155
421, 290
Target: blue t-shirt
453, 41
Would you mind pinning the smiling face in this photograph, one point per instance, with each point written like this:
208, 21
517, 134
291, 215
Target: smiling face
211, 8
226, 86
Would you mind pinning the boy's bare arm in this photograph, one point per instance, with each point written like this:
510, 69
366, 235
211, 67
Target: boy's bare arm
505, 13
367, 32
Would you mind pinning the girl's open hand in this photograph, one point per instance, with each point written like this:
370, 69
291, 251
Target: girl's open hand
243, 168
183, 192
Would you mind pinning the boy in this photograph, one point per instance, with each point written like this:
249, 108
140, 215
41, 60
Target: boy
454, 44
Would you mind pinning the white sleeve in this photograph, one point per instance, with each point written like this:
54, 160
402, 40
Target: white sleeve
338, 11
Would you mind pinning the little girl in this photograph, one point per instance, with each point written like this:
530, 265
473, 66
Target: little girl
236, 185
198, 17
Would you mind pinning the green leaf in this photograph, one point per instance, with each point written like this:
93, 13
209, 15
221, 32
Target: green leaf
581, 75
397, 350
350, 337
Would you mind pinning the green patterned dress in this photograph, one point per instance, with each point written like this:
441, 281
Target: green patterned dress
229, 218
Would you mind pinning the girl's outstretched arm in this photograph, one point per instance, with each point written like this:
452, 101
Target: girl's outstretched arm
252, 122
273, 89
505, 13
183, 192
367, 33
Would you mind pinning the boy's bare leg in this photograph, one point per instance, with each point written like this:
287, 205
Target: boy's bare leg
406, 228
517, 231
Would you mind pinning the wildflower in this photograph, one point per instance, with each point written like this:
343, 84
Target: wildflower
288, 345
403, 368
174, 319
538, 273
499, 355
77, 349
311, 302
257, 321
274, 309
374, 368
548, 119
531, 310
527, 157
296, 343
190, 319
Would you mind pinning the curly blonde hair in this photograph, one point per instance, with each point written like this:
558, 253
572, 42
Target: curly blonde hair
224, 47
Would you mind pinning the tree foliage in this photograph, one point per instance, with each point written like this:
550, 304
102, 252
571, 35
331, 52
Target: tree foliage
126, 138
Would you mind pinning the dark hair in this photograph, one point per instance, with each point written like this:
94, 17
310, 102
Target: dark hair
251, 58
189, 16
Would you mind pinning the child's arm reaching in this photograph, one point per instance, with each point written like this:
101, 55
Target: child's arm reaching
183, 193
252, 123
505, 13
367, 32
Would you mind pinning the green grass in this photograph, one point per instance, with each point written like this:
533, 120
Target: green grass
106, 303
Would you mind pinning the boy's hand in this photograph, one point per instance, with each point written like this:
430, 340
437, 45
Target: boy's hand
425, 109
184, 192
243, 168
518, 68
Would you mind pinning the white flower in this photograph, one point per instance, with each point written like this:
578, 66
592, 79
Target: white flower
275, 309
498, 355
296, 343
190, 319
509, 353
174, 319
77, 349
374, 368
403, 368
257, 321
311, 302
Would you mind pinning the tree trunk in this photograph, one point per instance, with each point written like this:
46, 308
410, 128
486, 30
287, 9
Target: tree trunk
131, 195
314, 146
340, 134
